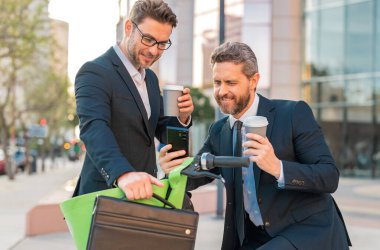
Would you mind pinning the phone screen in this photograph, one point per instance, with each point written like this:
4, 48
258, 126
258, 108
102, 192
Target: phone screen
179, 139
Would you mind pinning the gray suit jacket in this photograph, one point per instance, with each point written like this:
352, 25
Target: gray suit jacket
304, 212
114, 125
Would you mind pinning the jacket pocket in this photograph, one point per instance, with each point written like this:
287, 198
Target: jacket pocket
305, 211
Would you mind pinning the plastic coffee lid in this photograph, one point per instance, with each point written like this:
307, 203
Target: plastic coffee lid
256, 121
173, 87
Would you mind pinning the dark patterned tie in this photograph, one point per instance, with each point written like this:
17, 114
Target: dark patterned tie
239, 213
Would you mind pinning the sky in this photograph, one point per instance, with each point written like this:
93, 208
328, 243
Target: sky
92, 28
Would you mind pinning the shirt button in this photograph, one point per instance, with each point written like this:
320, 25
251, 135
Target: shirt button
267, 224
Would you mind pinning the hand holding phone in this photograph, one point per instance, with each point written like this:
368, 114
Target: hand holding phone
179, 139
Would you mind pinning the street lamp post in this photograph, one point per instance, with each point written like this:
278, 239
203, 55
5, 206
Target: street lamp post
219, 115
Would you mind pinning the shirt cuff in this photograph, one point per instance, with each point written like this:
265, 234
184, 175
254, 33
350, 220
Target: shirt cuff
187, 124
281, 179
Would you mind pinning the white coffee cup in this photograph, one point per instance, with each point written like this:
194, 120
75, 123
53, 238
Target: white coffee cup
255, 125
170, 96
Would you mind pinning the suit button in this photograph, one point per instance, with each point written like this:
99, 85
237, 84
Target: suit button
260, 201
267, 224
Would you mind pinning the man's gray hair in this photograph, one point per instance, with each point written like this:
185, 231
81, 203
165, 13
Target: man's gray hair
237, 53
156, 9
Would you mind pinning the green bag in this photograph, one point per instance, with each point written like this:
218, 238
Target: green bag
78, 210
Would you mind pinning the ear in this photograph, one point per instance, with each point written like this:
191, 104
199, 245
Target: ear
253, 81
128, 27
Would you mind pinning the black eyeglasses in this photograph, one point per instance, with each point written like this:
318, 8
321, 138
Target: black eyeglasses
150, 41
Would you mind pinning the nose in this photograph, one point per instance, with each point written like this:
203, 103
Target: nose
223, 89
154, 50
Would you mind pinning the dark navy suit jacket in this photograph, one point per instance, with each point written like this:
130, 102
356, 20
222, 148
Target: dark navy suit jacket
304, 211
114, 125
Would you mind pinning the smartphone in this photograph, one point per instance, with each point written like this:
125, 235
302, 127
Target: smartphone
179, 139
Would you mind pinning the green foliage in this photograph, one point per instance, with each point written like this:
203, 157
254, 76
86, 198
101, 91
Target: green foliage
203, 110
30, 85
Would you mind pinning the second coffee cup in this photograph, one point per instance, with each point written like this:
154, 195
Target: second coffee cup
255, 125
170, 96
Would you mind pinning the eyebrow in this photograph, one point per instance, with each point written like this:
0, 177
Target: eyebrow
152, 37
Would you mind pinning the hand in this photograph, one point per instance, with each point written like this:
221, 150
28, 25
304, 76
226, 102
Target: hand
185, 105
261, 151
166, 159
138, 185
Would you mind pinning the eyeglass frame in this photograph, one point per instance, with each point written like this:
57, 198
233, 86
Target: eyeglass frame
144, 36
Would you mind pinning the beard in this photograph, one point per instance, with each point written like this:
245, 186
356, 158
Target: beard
133, 51
240, 103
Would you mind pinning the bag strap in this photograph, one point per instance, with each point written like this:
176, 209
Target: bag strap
166, 202
157, 197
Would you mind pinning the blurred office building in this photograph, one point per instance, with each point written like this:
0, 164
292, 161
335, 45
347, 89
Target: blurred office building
326, 52
341, 79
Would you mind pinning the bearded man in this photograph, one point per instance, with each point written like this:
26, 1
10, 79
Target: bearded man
282, 201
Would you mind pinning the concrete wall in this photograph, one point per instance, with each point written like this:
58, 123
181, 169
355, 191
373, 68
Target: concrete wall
286, 49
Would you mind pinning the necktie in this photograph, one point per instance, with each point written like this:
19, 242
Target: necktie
239, 212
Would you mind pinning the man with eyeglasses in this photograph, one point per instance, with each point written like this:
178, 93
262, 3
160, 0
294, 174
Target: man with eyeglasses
120, 107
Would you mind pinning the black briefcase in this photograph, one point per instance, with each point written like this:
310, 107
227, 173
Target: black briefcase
121, 224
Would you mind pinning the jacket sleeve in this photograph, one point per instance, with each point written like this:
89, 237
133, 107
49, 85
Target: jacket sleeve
314, 168
93, 95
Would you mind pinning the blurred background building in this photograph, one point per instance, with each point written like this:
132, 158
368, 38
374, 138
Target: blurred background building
326, 52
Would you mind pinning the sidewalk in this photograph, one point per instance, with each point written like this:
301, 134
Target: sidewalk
358, 199
20, 195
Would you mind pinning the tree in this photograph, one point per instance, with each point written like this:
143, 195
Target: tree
29, 86
203, 110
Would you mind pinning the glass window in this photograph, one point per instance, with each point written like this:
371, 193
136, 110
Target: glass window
311, 45
359, 38
377, 18
377, 94
332, 91
332, 114
359, 91
331, 42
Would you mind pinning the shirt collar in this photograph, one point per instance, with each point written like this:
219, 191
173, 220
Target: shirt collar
137, 76
250, 112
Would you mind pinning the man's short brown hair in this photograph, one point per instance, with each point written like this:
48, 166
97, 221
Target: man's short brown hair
237, 53
156, 9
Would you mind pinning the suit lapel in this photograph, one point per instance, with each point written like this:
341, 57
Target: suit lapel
154, 103
122, 71
266, 109
225, 148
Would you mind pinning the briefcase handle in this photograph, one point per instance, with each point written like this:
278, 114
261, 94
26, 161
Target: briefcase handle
157, 197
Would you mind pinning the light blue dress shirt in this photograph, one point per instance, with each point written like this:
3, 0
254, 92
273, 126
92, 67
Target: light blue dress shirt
251, 205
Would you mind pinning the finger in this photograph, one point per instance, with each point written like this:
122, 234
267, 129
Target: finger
184, 98
155, 181
185, 104
175, 163
175, 154
256, 137
142, 192
148, 190
164, 150
186, 110
128, 192
253, 144
252, 152
186, 91
136, 193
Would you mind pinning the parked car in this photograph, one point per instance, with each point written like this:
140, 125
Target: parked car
2, 162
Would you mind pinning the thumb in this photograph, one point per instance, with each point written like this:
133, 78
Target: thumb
156, 182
